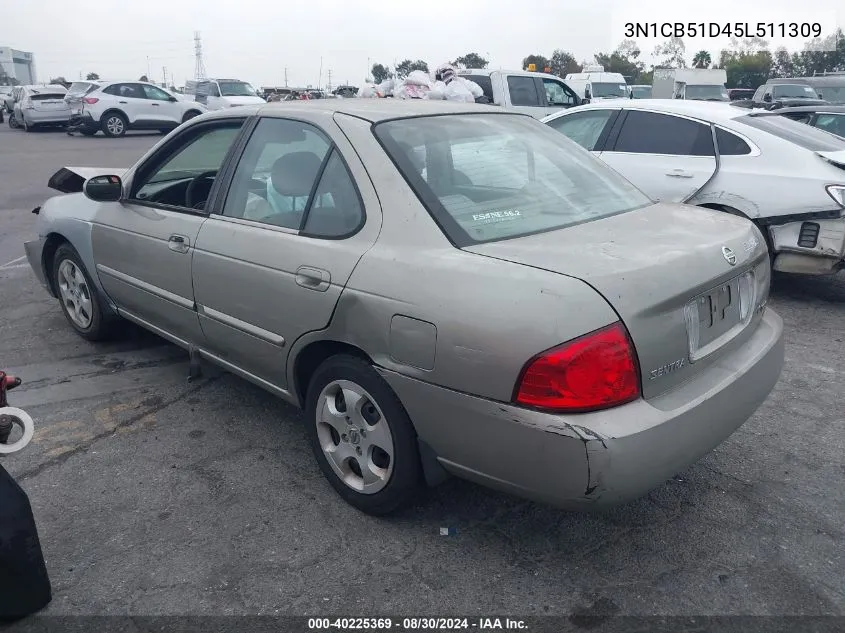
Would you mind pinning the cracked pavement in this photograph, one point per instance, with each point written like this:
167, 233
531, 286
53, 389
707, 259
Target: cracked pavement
156, 496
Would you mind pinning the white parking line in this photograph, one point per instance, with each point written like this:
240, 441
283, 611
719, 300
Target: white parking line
14, 267
14, 261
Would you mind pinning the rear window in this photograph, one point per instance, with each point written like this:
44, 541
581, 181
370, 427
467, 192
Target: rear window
802, 135
794, 91
484, 82
81, 88
489, 177
45, 96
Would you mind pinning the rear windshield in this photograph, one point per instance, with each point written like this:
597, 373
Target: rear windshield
484, 83
489, 177
794, 91
641, 92
706, 93
81, 87
45, 96
609, 89
803, 135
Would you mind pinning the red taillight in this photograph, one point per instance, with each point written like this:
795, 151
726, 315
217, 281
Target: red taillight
595, 371
90, 100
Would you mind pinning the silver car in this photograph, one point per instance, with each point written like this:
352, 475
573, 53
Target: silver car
42, 106
444, 288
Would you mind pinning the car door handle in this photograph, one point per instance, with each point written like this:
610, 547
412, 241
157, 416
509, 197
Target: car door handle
121, 101
178, 243
679, 173
313, 278
156, 104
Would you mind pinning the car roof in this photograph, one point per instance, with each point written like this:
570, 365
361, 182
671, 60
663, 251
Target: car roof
832, 109
373, 110
488, 72
707, 110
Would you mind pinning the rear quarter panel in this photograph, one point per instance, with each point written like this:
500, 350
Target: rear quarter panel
484, 318
782, 179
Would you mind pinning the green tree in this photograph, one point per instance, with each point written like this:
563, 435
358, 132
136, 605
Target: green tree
143, 78
59, 81
92, 76
471, 60
702, 59
563, 63
746, 68
782, 64
538, 60
406, 67
673, 53
381, 73
823, 55
624, 60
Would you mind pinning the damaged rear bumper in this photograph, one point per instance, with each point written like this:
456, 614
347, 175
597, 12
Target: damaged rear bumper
595, 459
809, 244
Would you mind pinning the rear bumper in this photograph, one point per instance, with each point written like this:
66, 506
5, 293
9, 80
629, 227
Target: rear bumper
34, 117
35, 256
83, 121
812, 246
597, 459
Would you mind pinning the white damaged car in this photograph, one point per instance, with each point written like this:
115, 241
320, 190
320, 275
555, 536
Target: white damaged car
787, 177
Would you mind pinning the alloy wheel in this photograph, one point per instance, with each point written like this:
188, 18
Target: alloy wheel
75, 294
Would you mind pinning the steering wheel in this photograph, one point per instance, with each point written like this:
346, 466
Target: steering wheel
190, 192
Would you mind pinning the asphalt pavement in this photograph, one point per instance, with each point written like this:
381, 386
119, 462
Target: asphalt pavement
159, 496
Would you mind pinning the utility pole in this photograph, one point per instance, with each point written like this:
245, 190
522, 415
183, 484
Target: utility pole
329, 86
320, 76
164, 75
199, 65
286, 77
149, 72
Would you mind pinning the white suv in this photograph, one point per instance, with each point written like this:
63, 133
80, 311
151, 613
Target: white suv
114, 107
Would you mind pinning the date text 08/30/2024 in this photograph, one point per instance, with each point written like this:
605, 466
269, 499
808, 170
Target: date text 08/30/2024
723, 29
415, 624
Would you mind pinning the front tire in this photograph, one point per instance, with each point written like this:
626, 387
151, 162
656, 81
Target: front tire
362, 436
114, 125
190, 115
78, 295
13, 122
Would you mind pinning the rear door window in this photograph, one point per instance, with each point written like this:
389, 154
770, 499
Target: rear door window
731, 144
653, 133
523, 91
557, 94
585, 127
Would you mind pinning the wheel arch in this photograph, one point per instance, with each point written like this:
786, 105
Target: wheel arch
105, 114
189, 114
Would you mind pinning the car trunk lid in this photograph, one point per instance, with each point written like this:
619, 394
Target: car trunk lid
48, 102
671, 272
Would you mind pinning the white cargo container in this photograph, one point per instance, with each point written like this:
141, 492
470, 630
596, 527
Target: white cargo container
699, 84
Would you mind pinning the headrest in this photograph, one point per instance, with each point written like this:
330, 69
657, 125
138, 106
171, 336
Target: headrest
294, 174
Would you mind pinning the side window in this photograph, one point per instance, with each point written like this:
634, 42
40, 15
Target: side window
585, 127
523, 91
156, 94
114, 89
731, 144
557, 94
651, 133
336, 210
833, 123
213, 90
185, 175
277, 173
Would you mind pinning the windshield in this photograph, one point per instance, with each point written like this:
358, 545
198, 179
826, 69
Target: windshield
641, 92
488, 177
794, 91
609, 89
236, 89
802, 135
707, 93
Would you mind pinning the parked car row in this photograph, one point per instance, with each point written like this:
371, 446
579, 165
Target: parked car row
448, 288
89, 107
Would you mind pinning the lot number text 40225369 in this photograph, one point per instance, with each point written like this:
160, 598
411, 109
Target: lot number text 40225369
723, 29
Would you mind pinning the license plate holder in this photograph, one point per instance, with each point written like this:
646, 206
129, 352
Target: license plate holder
710, 316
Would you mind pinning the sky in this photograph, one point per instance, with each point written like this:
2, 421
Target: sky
260, 41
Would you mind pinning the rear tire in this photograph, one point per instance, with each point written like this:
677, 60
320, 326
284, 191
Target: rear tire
78, 296
189, 115
114, 124
27, 127
362, 436
13, 122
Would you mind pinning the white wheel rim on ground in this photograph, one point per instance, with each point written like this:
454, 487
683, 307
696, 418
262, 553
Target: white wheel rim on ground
75, 293
359, 440
23, 420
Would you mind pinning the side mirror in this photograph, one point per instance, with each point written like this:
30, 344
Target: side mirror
821, 96
104, 188
767, 97
171, 98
